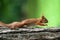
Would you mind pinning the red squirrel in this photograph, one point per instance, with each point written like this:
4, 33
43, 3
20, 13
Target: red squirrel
37, 21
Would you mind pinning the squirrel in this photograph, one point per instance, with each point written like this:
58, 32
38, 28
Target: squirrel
37, 21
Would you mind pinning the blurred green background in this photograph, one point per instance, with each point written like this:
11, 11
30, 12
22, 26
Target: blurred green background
17, 10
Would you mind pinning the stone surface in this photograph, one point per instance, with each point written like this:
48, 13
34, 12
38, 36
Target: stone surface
30, 34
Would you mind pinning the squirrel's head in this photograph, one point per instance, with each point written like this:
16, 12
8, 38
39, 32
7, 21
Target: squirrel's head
43, 20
